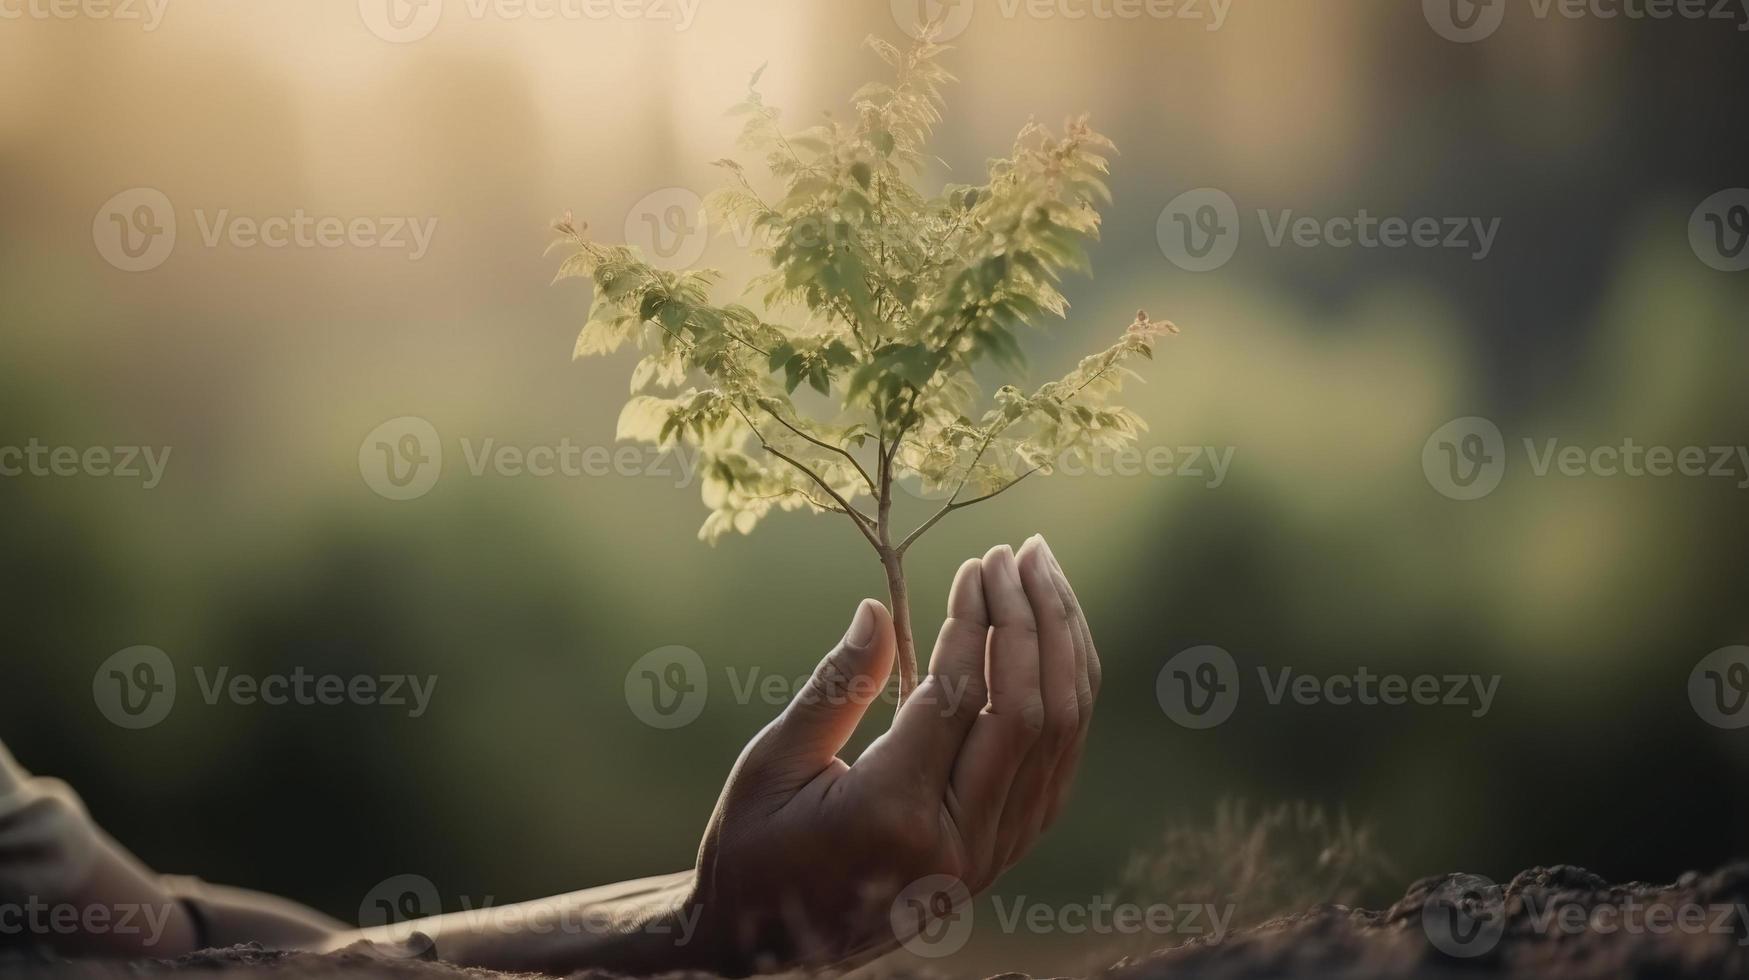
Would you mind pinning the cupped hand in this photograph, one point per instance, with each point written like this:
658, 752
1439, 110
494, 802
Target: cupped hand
810, 861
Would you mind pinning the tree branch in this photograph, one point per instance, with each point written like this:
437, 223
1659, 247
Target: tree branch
862, 521
794, 491
953, 505
823, 444
886, 499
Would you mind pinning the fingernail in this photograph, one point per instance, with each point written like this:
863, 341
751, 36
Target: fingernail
862, 627
1049, 554
1006, 566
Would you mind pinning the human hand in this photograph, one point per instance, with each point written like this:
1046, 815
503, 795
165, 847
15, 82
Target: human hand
805, 855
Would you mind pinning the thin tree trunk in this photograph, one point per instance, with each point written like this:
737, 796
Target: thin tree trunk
901, 605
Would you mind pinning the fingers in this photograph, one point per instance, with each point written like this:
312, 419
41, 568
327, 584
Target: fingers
824, 714
1086, 690
931, 726
1003, 736
1034, 788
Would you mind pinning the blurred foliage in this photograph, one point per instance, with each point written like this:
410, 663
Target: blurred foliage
1284, 859
900, 295
1325, 370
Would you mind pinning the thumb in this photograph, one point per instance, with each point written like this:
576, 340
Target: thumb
827, 709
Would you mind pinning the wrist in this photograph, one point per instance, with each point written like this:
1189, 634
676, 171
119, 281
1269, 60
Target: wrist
730, 937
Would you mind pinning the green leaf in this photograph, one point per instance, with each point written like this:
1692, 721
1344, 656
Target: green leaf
838, 355
897, 295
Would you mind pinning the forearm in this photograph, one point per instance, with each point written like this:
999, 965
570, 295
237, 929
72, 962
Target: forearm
650, 925
226, 916
67, 885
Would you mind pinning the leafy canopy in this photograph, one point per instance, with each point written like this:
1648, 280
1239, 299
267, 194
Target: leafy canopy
881, 299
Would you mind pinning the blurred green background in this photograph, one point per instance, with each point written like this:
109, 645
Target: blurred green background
1324, 369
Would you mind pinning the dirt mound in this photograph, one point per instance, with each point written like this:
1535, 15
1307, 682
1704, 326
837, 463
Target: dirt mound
1547, 923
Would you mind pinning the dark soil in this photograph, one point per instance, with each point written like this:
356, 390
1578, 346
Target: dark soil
1552, 924
1547, 923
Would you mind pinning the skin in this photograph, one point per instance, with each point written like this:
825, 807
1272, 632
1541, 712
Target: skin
807, 859
805, 854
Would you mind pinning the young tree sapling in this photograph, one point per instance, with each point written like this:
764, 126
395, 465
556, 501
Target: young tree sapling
882, 300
